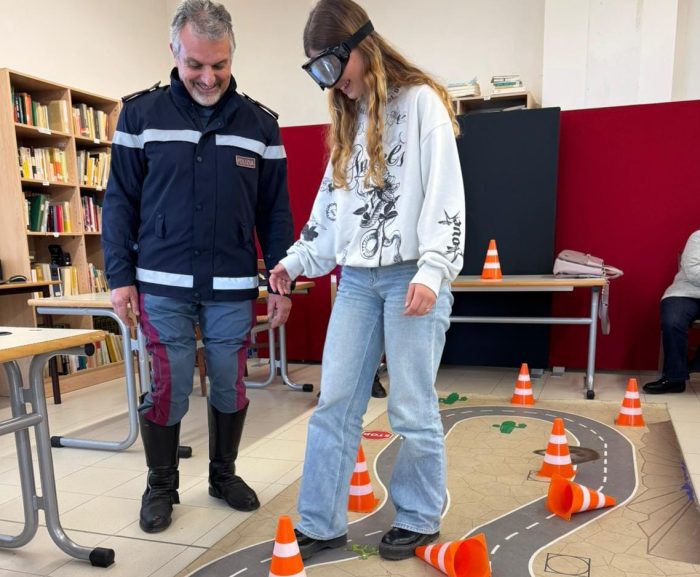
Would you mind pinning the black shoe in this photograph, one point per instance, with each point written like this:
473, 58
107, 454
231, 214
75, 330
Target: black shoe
308, 545
378, 391
664, 385
400, 544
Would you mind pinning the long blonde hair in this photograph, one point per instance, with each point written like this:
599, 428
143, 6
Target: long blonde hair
331, 22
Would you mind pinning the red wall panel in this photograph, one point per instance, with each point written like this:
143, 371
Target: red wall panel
628, 191
306, 157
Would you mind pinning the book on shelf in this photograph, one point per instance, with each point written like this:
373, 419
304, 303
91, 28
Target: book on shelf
97, 280
507, 84
58, 116
93, 167
509, 90
92, 212
90, 122
43, 163
68, 275
464, 89
52, 115
46, 271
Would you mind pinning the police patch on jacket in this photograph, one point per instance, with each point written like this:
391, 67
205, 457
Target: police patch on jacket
245, 161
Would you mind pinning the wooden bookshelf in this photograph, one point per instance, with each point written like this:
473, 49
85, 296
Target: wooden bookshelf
56, 126
494, 102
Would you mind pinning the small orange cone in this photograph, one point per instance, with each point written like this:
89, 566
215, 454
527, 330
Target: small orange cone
522, 395
361, 495
466, 558
286, 559
557, 460
631, 409
566, 497
492, 266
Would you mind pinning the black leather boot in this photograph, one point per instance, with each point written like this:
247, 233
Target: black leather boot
225, 430
160, 444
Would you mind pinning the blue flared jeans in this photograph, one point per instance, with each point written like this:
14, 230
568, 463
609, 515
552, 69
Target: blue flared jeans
368, 320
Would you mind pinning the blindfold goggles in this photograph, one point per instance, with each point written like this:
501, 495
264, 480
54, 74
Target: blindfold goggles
327, 67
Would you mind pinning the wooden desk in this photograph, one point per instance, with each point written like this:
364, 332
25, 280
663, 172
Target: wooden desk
44, 287
41, 344
15, 288
541, 283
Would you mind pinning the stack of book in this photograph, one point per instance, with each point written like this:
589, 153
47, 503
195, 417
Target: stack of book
52, 115
48, 164
464, 89
90, 122
507, 84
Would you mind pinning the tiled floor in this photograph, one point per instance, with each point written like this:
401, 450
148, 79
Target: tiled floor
99, 492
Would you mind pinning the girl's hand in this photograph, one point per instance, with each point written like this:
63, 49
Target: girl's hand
420, 300
280, 280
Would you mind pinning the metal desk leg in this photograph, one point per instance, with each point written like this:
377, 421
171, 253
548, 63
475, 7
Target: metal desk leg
144, 369
99, 556
592, 332
273, 364
280, 364
306, 387
19, 424
131, 398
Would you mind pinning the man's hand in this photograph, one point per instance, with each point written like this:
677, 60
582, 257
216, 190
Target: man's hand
279, 280
420, 300
278, 309
124, 300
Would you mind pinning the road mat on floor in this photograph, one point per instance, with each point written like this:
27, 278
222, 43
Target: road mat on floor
494, 454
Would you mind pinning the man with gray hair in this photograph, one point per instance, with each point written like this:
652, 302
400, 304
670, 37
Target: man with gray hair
198, 170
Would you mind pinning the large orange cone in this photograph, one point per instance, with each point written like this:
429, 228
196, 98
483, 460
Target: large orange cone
361, 495
522, 395
286, 559
466, 558
557, 460
566, 497
492, 266
631, 409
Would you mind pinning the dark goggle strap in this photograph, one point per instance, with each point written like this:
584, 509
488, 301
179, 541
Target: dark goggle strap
364, 31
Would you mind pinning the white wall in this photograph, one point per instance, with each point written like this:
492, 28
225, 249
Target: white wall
109, 48
117, 47
451, 40
686, 73
608, 52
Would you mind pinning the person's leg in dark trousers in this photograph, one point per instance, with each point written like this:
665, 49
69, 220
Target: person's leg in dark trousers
225, 330
677, 314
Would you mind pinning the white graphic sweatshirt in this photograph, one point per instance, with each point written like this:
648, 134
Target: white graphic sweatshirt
417, 215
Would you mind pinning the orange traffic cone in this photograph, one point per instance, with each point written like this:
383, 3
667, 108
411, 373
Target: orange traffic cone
631, 409
522, 395
466, 558
492, 266
361, 495
557, 460
566, 497
286, 559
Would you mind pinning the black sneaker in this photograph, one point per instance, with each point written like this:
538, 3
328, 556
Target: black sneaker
664, 385
400, 544
308, 545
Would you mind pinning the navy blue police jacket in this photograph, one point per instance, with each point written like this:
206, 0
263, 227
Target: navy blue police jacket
183, 204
